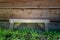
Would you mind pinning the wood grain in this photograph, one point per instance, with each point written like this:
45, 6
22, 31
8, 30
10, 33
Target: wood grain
51, 14
29, 3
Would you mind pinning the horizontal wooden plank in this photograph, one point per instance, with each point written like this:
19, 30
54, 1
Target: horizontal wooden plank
51, 14
29, 3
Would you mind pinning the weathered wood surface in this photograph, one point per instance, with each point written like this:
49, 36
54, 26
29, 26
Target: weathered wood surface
29, 3
52, 14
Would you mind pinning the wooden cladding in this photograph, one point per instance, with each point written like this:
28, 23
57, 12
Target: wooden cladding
29, 3
52, 14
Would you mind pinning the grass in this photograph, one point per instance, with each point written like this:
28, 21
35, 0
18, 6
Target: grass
27, 34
